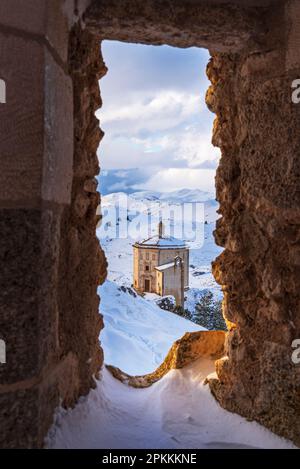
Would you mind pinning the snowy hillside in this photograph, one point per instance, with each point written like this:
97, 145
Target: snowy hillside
137, 333
182, 195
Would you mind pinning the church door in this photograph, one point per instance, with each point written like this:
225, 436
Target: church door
147, 284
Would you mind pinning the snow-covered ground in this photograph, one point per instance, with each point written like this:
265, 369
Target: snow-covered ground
179, 410
176, 412
137, 333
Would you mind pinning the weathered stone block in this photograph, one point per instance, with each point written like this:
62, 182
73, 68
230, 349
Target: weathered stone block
19, 415
58, 21
26, 16
26, 413
20, 254
21, 119
29, 253
292, 11
58, 141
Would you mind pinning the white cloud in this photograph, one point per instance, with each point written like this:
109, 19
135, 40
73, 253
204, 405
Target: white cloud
177, 178
155, 112
181, 147
188, 145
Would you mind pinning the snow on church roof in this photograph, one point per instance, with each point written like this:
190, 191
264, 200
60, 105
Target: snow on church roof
163, 242
165, 266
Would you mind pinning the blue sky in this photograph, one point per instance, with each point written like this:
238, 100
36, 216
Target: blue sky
157, 127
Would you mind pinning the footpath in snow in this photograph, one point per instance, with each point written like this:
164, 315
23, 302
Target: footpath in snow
176, 412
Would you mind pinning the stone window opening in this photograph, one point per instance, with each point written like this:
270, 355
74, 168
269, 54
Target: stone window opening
147, 267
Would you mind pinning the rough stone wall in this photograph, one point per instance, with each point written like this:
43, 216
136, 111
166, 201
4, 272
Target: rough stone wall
258, 180
181, 23
31, 203
82, 261
50, 260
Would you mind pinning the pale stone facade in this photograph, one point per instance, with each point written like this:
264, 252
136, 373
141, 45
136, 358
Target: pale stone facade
161, 265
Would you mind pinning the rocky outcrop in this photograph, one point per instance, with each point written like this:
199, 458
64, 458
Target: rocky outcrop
191, 347
181, 23
257, 186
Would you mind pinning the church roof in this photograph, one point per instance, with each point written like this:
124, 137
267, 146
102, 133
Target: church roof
163, 242
165, 266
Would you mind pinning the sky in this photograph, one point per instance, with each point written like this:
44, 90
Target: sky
157, 126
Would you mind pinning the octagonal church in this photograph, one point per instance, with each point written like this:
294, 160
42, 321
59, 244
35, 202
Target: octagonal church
161, 266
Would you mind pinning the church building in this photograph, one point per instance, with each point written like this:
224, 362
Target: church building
161, 266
